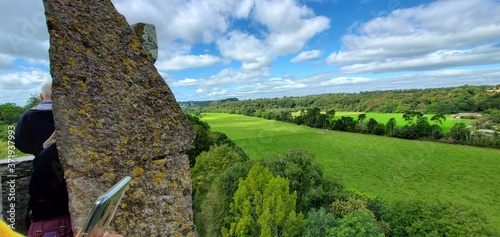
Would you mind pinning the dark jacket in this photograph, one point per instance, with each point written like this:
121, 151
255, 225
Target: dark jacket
32, 130
48, 193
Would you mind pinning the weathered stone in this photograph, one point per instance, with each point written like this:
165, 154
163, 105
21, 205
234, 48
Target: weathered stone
146, 33
21, 174
116, 116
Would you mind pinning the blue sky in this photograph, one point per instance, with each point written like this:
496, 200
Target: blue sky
273, 48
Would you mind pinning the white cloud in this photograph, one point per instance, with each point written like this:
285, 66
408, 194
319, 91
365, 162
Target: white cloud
306, 55
6, 61
418, 34
290, 25
17, 87
187, 61
23, 32
489, 54
344, 80
185, 82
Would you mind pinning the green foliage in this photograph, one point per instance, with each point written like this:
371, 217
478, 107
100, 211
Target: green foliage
341, 208
436, 100
345, 123
409, 116
459, 133
32, 102
10, 112
438, 118
306, 178
209, 165
389, 127
361, 117
318, 222
418, 218
357, 224
263, 206
393, 169
215, 206
201, 143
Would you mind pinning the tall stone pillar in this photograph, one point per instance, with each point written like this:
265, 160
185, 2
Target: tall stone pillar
116, 116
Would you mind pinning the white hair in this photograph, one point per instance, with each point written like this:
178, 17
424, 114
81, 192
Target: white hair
47, 90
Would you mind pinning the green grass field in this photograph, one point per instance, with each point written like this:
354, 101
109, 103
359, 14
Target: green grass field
391, 168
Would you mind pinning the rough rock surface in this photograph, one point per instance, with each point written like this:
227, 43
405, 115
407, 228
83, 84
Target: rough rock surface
116, 116
146, 34
22, 178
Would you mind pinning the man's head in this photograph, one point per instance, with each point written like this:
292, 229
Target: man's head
46, 92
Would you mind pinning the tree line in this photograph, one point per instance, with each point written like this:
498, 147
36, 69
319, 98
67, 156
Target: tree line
417, 126
429, 101
289, 195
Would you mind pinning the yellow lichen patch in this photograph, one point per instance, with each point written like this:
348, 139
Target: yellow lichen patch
109, 175
123, 205
84, 86
124, 139
137, 171
159, 177
92, 154
135, 45
72, 61
76, 131
107, 159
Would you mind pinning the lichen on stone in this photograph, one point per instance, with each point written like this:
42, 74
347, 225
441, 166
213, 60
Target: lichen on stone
116, 116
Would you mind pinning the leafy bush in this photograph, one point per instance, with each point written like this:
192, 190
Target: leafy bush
418, 218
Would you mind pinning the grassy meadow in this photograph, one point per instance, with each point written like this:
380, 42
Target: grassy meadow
391, 168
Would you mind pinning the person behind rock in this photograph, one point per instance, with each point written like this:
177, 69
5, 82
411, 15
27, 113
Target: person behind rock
36, 124
48, 210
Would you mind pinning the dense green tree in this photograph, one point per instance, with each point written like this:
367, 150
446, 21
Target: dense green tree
438, 118
305, 175
409, 116
10, 112
459, 133
209, 165
423, 127
345, 123
201, 143
357, 224
216, 204
322, 121
318, 222
390, 125
418, 218
263, 206
330, 113
361, 117
370, 126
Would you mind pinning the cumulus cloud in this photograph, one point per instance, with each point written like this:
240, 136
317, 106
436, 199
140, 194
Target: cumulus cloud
187, 61
488, 54
23, 31
17, 87
306, 55
426, 37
